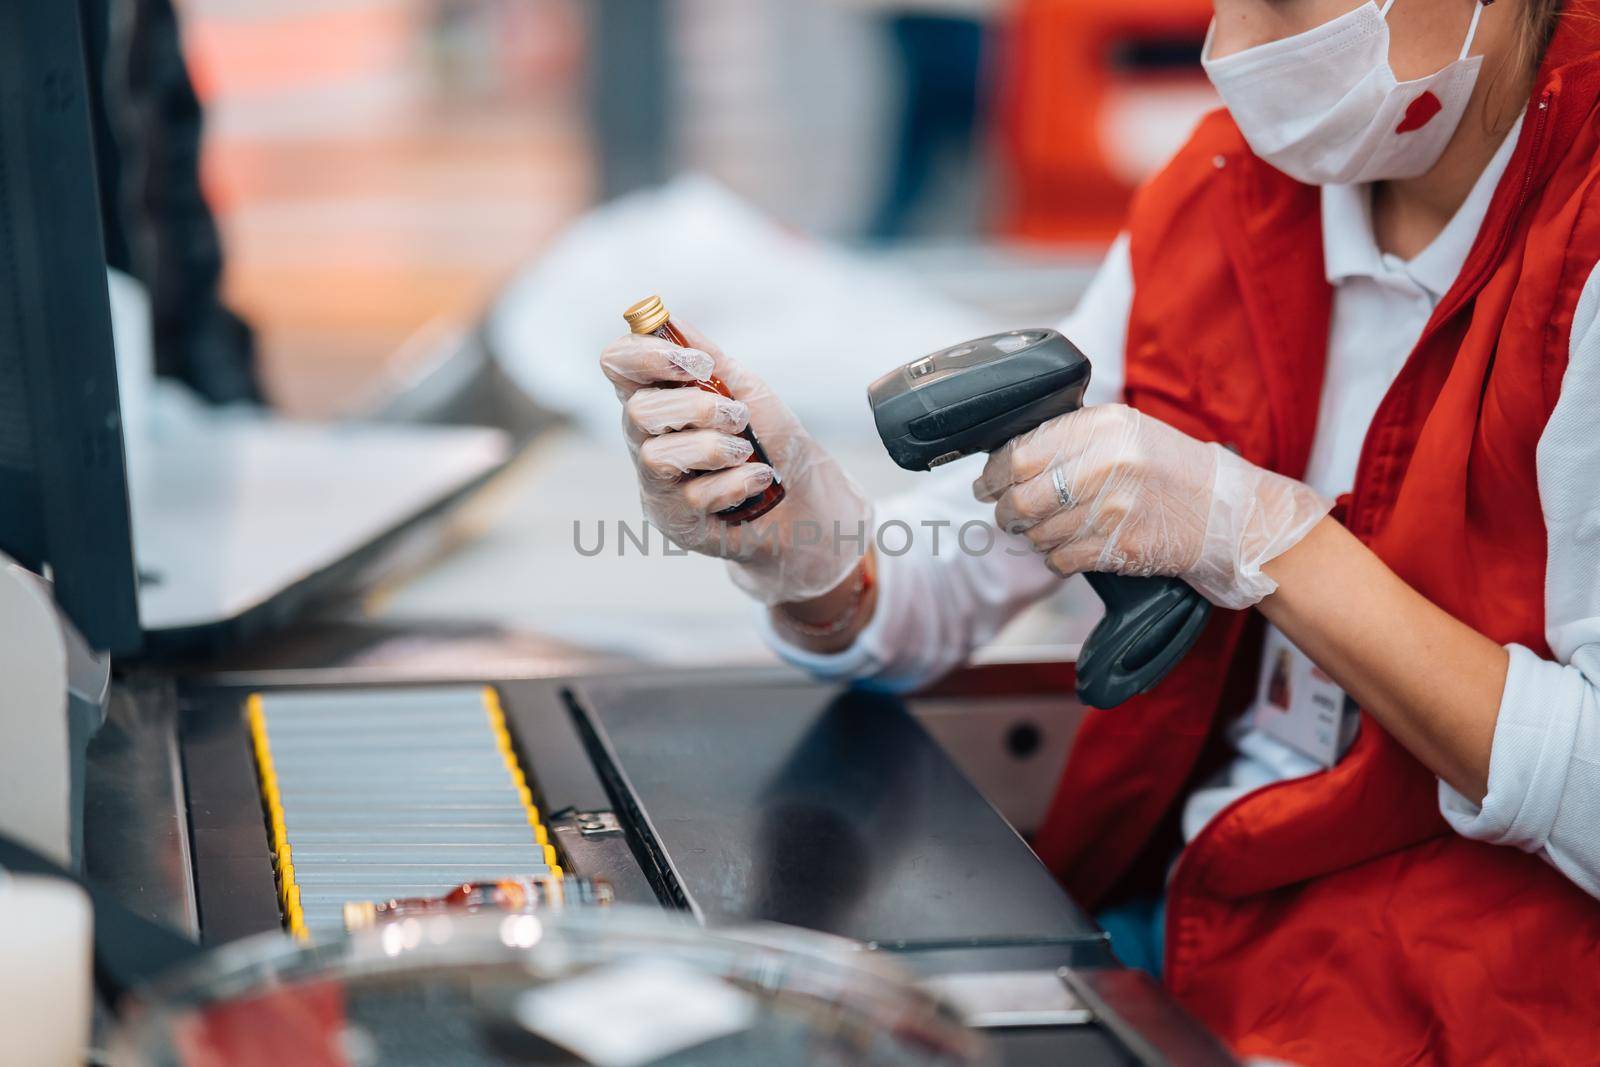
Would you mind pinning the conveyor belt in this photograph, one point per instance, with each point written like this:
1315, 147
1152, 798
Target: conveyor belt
762, 797
375, 794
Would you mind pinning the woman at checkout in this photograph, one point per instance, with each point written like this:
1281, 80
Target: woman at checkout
1357, 322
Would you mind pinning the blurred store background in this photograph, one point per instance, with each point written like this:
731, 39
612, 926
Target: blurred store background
828, 187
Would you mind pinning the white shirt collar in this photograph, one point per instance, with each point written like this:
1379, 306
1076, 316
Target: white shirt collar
1350, 249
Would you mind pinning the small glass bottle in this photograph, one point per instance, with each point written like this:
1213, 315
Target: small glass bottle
526, 893
649, 316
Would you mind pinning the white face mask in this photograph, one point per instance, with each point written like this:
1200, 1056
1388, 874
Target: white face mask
1325, 108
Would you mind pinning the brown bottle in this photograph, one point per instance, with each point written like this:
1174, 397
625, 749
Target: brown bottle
649, 316
526, 893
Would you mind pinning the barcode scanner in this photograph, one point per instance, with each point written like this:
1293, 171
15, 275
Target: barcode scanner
976, 396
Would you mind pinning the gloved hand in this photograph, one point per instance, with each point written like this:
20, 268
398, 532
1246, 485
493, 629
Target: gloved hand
793, 552
1107, 488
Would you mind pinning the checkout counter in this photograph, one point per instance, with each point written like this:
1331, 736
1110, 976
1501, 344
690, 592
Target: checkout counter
734, 796
223, 811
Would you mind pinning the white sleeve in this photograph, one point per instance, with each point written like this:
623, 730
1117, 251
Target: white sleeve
1099, 324
948, 580
1544, 767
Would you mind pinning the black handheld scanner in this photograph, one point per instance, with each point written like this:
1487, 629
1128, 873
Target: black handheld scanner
976, 396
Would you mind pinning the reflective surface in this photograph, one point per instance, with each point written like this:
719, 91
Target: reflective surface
136, 836
832, 811
622, 986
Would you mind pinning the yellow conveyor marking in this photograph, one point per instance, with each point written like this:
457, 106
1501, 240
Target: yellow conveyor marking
272, 802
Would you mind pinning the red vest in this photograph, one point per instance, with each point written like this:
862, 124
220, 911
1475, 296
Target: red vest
1337, 919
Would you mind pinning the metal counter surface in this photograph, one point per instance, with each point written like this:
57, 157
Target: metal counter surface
744, 795
798, 803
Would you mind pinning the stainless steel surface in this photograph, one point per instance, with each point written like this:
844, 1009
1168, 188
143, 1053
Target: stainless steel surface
1153, 1026
346, 651
136, 831
1011, 998
323, 905
596, 823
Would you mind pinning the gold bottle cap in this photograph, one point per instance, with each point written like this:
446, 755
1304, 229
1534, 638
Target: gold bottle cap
360, 914
647, 315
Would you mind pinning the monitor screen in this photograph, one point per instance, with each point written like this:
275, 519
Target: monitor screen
63, 486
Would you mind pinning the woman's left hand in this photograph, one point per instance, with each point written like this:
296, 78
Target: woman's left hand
1107, 488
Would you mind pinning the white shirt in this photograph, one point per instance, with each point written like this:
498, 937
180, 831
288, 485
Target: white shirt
936, 606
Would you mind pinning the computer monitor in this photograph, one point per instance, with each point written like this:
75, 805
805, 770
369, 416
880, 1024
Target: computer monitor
63, 485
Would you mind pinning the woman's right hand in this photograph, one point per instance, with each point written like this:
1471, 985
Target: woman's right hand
691, 464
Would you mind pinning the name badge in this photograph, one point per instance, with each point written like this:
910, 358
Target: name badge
1299, 705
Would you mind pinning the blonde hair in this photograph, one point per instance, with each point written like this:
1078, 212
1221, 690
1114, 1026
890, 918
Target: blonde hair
1538, 26
1533, 36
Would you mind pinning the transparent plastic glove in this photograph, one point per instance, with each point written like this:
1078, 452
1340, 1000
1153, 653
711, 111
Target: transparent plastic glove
1106, 488
691, 464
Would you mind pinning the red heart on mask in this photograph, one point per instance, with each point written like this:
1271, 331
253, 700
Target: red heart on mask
1420, 113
